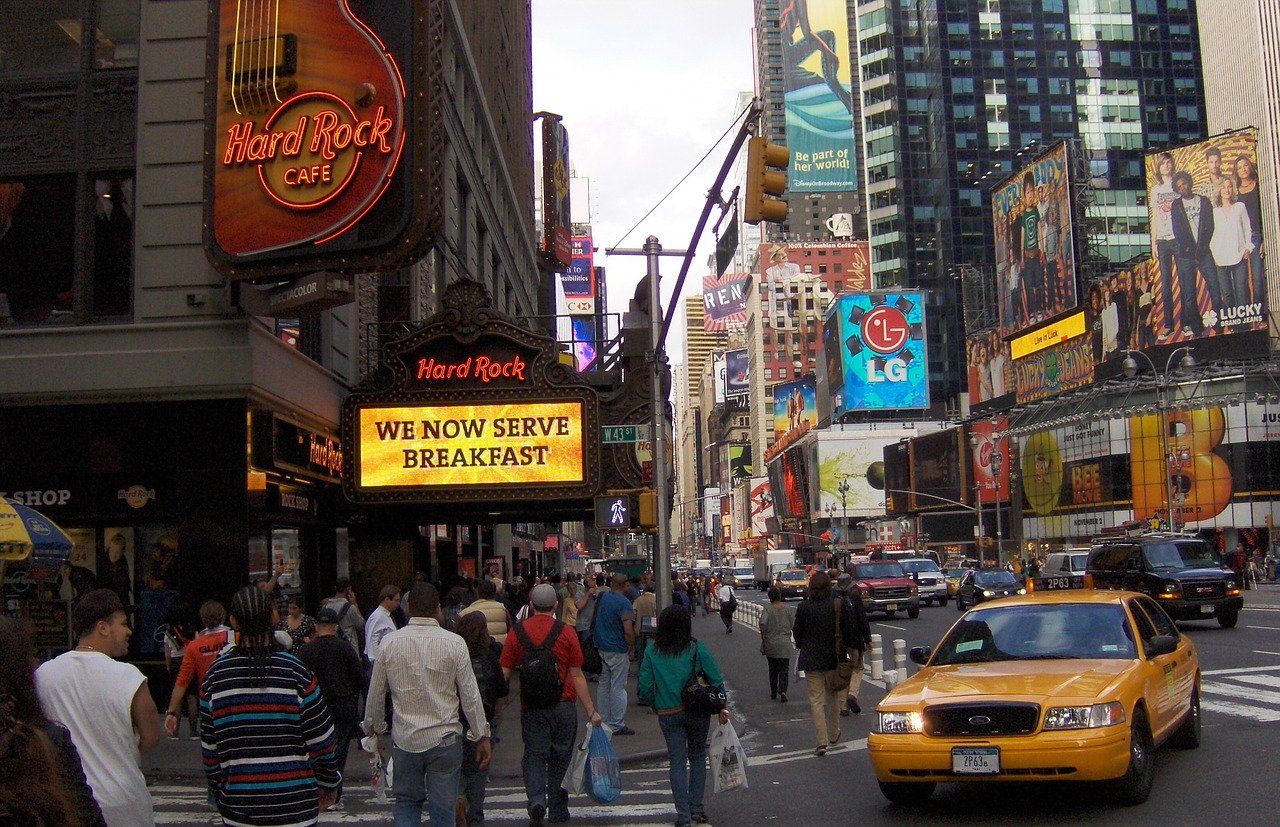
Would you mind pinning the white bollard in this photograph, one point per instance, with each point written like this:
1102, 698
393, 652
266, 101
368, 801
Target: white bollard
900, 658
891, 678
877, 658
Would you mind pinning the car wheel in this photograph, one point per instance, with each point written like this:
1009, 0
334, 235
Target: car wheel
907, 793
942, 601
1188, 735
1134, 787
1228, 621
959, 603
913, 613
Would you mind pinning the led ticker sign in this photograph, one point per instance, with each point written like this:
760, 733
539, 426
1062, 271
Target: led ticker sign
449, 446
1048, 336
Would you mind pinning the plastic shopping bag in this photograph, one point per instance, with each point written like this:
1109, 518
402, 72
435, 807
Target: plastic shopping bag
575, 779
728, 760
604, 773
380, 768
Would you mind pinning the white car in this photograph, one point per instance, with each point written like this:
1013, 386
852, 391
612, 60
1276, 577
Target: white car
929, 577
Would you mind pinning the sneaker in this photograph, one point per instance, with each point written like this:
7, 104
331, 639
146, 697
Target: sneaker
782, 696
851, 705
173, 737
335, 807
822, 750
626, 730
558, 819
536, 812
701, 818
844, 713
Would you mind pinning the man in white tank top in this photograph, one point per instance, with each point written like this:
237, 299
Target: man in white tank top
107, 706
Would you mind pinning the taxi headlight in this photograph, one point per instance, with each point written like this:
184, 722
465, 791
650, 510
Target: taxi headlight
1084, 717
1022, 591
900, 723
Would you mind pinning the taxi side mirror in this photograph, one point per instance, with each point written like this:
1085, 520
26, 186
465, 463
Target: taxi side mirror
1161, 645
920, 654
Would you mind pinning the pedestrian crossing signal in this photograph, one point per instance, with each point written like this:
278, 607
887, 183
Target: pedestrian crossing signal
613, 512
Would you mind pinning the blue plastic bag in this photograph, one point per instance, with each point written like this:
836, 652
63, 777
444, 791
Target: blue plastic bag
604, 774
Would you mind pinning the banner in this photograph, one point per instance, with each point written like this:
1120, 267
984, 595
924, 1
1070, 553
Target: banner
990, 371
819, 68
991, 460
843, 265
1055, 370
795, 411
578, 279
737, 374
724, 302
556, 245
1035, 248
761, 505
1209, 277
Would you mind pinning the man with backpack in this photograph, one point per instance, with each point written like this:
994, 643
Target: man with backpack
551, 682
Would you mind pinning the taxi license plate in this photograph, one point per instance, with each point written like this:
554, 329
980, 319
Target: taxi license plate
892, 607
1206, 610
975, 760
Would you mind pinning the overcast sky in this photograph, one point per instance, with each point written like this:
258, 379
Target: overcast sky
645, 88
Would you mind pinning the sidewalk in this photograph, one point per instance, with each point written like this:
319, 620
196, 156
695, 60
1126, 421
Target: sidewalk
181, 758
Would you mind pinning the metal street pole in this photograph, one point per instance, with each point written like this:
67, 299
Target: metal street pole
1130, 368
997, 463
662, 552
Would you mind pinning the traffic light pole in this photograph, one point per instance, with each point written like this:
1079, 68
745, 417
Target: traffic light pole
662, 549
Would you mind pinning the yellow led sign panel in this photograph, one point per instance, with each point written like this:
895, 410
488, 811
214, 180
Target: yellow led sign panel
1036, 341
482, 445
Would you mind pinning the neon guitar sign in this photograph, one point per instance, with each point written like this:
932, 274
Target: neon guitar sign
309, 126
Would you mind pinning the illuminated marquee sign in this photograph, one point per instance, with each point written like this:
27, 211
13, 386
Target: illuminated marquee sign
461, 445
312, 123
1056, 333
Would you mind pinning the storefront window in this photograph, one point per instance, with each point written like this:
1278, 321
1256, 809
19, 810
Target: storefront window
37, 249
40, 38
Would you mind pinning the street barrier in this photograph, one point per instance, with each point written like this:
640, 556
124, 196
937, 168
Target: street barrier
877, 657
900, 658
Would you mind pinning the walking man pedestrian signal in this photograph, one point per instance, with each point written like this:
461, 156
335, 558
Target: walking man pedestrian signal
613, 512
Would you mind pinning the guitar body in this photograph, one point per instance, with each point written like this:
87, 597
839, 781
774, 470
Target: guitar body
309, 125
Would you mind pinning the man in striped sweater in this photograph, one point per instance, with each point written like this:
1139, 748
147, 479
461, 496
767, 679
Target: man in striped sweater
266, 735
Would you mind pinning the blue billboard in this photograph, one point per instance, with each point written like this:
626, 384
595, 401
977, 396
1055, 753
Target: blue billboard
879, 341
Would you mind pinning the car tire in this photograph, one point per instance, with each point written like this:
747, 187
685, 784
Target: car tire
942, 601
959, 603
1228, 621
1188, 735
907, 793
1134, 787
913, 613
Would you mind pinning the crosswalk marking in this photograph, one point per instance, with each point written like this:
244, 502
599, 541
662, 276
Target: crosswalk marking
1261, 680
1243, 693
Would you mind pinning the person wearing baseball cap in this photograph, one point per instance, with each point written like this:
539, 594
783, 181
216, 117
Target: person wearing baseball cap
338, 669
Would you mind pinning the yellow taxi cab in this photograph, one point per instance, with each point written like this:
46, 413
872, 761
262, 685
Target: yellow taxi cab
792, 582
1071, 685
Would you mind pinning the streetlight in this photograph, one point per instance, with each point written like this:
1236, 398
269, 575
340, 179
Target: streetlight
997, 462
844, 488
1130, 367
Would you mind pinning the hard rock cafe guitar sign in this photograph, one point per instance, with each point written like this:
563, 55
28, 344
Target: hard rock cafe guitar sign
312, 125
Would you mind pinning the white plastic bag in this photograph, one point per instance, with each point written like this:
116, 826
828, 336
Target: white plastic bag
575, 779
728, 760
380, 768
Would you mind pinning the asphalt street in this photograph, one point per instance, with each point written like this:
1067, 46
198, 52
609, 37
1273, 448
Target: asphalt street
1225, 780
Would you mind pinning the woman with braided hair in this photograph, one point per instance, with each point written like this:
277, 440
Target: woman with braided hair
276, 767
43, 781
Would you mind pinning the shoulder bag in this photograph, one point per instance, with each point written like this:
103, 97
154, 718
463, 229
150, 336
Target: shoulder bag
592, 663
699, 697
838, 680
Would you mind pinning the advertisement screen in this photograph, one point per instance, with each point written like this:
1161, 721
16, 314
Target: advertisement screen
793, 407
842, 265
935, 470
858, 465
789, 481
724, 302
585, 341
761, 505
578, 279
739, 463
897, 477
1120, 312
469, 445
737, 374
990, 370
818, 72
1035, 251
884, 362
1206, 238
991, 459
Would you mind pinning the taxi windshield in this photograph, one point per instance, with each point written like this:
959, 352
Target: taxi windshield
1187, 554
794, 575
1042, 632
879, 570
913, 566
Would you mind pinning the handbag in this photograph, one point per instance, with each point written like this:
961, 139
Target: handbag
839, 679
699, 697
592, 663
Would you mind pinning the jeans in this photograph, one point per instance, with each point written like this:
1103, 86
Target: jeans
1234, 281
779, 675
1166, 250
686, 737
550, 736
611, 697
824, 707
346, 716
1257, 275
430, 777
474, 781
1188, 265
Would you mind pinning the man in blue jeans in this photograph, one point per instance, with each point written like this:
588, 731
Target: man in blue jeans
550, 733
616, 639
426, 732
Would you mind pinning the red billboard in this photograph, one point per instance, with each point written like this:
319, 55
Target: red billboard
990, 459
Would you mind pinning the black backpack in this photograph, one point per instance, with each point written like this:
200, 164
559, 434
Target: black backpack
541, 684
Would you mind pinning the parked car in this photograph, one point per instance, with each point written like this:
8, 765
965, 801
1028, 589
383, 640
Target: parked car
928, 577
1183, 574
885, 587
979, 585
1075, 685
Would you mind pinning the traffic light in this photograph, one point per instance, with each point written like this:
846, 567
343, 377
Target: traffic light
766, 181
649, 509
613, 512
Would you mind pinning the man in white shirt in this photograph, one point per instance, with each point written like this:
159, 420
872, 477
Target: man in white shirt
728, 604
107, 707
380, 622
427, 670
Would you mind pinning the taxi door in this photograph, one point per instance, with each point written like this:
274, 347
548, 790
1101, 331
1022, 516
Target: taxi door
1165, 677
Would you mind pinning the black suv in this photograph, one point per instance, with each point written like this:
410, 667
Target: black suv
1181, 573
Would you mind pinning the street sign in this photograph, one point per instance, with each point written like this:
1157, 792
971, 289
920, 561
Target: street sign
623, 434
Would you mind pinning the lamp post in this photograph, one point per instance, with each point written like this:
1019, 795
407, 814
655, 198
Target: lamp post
997, 463
1130, 367
844, 489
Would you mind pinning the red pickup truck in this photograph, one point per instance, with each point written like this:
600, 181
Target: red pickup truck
885, 587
